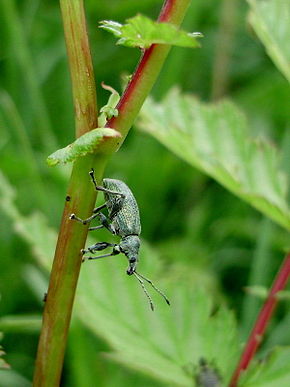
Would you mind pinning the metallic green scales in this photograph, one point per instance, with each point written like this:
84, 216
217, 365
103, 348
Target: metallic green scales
123, 222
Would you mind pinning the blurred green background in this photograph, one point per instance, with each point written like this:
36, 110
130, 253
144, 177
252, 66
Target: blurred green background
187, 218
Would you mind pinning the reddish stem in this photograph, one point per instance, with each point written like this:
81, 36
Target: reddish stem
260, 326
150, 64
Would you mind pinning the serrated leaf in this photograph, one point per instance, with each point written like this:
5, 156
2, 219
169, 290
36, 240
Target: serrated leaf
271, 22
215, 139
166, 344
140, 31
85, 144
273, 372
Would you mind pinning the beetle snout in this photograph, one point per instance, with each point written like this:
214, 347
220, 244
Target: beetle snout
130, 270
132, 266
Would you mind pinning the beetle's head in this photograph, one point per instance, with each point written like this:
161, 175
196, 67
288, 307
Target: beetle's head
130, 245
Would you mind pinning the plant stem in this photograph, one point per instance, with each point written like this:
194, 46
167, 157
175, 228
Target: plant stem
262, 321
147, 71
81, 196
224, 48
80, 199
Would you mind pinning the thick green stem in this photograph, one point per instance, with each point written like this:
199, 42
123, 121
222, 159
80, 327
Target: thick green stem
81, 195
80, 199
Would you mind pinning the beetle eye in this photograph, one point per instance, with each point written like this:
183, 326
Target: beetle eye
130, 271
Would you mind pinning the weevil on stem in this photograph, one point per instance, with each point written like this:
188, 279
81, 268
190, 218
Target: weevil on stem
123, 220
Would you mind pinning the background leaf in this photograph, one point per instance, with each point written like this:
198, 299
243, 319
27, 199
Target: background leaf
200, 230
215, 139
271, 22
140, 31
166, 344
273, 372
3, 364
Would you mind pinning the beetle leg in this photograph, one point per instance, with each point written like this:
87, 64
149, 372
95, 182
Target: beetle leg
104, 223
103, 189
117, 206
98, 247
83, 221
97, 209
114, 252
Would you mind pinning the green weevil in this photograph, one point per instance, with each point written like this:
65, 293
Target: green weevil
123, 220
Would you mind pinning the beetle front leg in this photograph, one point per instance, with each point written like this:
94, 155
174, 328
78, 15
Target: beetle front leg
103, 189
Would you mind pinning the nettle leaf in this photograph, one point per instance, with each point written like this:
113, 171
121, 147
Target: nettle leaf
166, 344
215, 139
271, 22
84, 145
140, 31
272, 372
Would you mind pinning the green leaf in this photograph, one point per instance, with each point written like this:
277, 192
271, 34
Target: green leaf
257, 291
9, 378
109, 110
262, 292
273, 372
271, 22
140, 31
86, 144
3, 364
21, 323
215, 139
166, 344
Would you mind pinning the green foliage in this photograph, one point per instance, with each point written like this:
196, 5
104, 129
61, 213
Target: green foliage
273, 372
87, 143
271, 21
3, 364
204, 236
215, 139
168, 344
140, 31
109, 110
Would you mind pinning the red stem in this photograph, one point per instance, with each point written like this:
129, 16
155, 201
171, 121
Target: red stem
172, 12
260, 326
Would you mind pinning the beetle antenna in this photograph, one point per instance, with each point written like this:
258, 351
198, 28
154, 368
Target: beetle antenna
145, 290
154, 287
